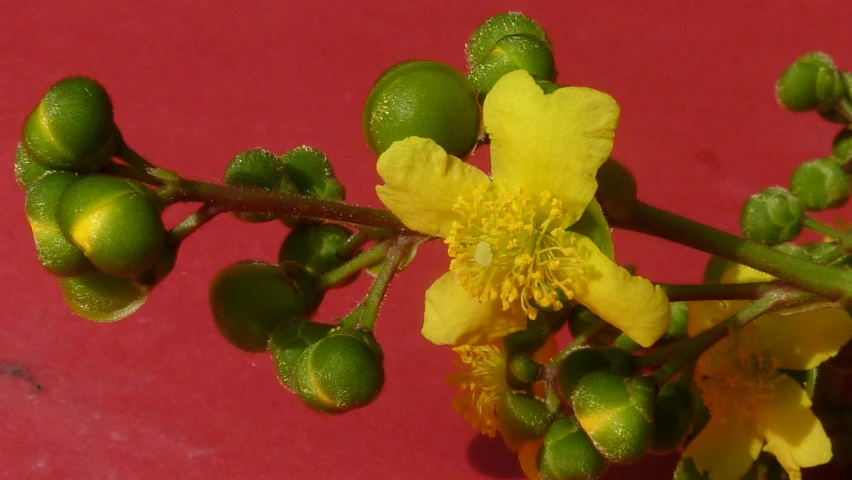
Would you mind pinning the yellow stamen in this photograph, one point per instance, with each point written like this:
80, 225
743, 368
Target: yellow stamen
482, 379
515, 249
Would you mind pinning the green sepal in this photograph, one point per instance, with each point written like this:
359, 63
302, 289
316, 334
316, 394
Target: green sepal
568, 453
678, 322
114, 222
536, 333
593, 225
72, 128
255, 168
341, 372
422, 99
486, 36
583, 322
811, 83
510, 53
27, 170
100, 297
616, 190
521, 371
772, 216
55, 252
841, 146
522, 416
249, 299
617, 413
287, 343
584, 361
820, 184
312, 173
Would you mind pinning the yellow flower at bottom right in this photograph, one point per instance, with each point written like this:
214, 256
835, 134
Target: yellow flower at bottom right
753, 404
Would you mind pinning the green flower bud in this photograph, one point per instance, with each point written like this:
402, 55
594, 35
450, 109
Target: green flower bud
287, 343
679, 319
314, 247
535, 335
522, 416
568, 453
617, 413
487, 35
341, 372
584, 322
841, 147
249, 299
514, 52
771, 216
811, 83
72, 128
686, 470
55, 253
673, 416
100, 297
423, 99
311, 173
114, 222
255, 168
27, 170
820, 184
616, 190
583, 361
521, 371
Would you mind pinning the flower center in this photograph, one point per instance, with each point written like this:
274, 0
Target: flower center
509, 246
482, 379
738, 377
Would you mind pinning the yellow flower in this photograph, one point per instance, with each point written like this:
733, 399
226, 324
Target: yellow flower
752, 404
508, 236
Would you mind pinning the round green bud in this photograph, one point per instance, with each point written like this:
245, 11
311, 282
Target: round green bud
583, 361
522, 416
811, 83
686, 470
100, 297
584, 322
679, 319
673, 415
617, 413
820, 184
616, 189
568, 453
27, 170
288, 341
249, 299
72, 128
255, 168
514, 52
341, 372
771, 216
312, 174
422, 99
314, 247
55, 253
114, 222
841, 146
522, 371
486, 36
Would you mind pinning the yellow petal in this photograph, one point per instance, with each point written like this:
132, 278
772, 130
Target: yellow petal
739, 273
552, 142
792, 432
632, 304
422, 183
724, 448
454, 318
707, 314
804, 340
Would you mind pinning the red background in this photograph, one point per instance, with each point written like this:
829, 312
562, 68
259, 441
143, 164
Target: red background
160, 394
